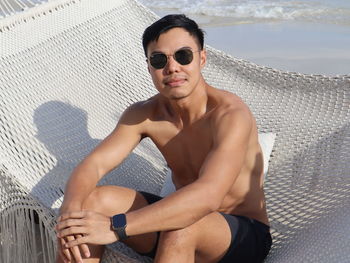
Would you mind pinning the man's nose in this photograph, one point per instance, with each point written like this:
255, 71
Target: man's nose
172, 64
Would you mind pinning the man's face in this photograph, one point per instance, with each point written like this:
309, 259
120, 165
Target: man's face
176, 81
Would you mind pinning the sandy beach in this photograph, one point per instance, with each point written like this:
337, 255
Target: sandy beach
307, 47
296, 47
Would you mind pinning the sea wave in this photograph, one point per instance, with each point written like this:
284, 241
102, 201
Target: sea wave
257, 10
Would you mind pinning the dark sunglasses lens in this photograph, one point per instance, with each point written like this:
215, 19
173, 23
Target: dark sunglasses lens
158, 61
184, 56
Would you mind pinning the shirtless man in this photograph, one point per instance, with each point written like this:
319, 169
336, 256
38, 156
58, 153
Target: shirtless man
209, 139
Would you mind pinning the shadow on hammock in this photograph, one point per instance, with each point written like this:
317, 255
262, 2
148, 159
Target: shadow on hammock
63, 129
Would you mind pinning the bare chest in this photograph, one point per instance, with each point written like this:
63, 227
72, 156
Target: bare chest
184, 150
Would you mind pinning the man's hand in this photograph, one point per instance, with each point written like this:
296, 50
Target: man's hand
92, 228
72, 254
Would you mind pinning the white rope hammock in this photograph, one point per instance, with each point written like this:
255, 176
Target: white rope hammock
68, 68
11, 7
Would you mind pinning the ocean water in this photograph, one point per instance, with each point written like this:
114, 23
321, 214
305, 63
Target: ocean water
304, 36
257, 11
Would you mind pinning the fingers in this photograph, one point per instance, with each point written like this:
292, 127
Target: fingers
83, 247
63, 253
74, 230
69, 250
71, 239
74, 214
68, 226
69, 222
78, 241
74, 250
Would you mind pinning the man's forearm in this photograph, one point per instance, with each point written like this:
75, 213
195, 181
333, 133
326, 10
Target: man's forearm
81, 183
177, 211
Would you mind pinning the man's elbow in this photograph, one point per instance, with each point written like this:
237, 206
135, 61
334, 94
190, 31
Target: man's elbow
214, 206
212, 200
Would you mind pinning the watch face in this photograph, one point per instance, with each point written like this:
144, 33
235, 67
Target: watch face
119, 221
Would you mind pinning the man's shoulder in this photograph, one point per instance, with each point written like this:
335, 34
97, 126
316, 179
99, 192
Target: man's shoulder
230, 105
231, 118
143, 107
141, 110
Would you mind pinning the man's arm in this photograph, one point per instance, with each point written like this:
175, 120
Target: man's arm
190, 203
106, 156
217, 175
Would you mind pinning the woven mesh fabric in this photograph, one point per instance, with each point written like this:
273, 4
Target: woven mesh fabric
308, 184
10, 7
69, 68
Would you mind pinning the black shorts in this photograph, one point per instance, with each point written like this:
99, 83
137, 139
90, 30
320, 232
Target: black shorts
251, 239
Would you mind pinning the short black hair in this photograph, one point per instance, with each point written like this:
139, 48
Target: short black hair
168, 22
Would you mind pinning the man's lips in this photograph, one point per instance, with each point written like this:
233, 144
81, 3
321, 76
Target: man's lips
174, 82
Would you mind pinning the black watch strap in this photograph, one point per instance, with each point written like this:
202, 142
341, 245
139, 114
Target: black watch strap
119, 225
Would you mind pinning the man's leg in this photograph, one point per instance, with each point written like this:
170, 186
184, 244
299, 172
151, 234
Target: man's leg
204, 241
111, 200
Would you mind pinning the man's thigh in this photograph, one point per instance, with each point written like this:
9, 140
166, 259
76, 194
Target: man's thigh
250, 240
213, 238
206, 240
212, 234
220, 238
111, 200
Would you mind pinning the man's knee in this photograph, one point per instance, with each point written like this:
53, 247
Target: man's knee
109, 199
94, 198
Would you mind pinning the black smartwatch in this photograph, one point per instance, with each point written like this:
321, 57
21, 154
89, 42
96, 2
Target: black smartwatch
119, 225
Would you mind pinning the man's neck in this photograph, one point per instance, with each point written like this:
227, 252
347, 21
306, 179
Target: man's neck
191, 108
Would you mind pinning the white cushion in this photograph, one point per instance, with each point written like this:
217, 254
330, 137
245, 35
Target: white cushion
266, 141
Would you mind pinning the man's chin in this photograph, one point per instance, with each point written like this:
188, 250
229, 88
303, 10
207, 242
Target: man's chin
175, 93
177, 96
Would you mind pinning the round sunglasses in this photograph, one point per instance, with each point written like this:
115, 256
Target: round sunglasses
183, 56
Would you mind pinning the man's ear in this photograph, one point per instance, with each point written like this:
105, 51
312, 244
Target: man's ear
148, 66
203, 55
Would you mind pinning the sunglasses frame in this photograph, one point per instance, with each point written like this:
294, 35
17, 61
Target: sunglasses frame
174, 57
